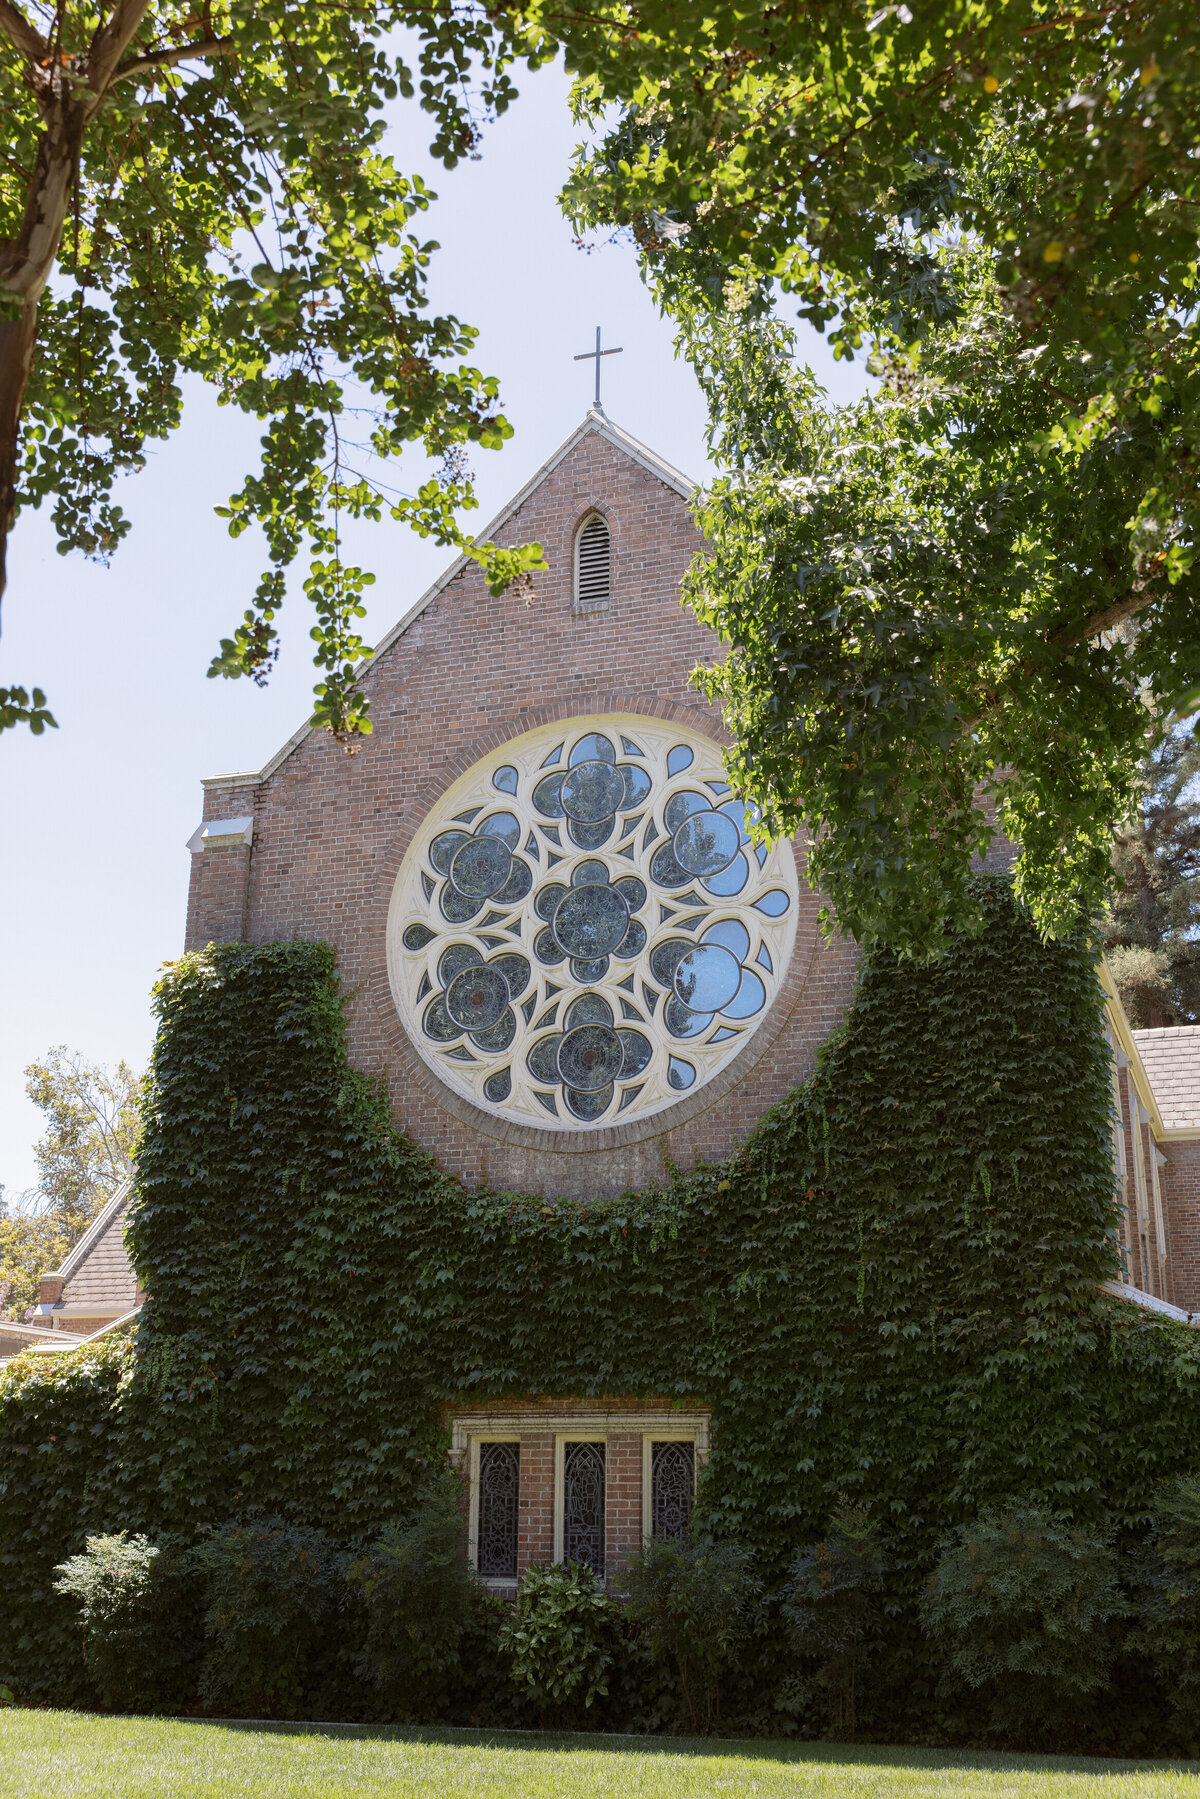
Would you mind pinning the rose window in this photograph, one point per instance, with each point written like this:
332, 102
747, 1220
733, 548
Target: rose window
584, 930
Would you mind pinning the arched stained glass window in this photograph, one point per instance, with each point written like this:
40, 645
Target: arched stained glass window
593, 563
583, 1505
672, 1488
499, 1497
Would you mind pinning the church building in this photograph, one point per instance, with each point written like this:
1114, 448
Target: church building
566, 959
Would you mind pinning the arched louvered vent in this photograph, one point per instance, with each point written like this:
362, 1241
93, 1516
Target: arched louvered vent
593, 561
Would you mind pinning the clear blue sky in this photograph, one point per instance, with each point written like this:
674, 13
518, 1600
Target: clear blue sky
94, 816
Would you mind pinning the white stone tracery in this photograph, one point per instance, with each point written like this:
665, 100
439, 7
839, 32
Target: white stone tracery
583, 931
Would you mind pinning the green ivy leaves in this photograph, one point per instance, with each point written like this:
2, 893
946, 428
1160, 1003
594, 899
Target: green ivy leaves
890, 1293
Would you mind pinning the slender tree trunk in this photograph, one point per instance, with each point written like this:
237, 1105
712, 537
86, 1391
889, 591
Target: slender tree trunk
69, 92
16, 357
26, 263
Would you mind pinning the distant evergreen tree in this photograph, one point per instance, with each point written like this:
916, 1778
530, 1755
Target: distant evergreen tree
1152, 934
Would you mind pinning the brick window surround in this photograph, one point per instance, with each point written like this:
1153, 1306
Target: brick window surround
543, 1429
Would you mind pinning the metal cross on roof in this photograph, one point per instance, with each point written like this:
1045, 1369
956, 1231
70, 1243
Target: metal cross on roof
597, 353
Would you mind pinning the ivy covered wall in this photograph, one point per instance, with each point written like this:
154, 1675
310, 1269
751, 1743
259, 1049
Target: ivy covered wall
890, 1292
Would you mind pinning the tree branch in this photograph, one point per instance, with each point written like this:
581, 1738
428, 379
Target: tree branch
1136, 600
166, 59
1066, 638
19, 32
112, 40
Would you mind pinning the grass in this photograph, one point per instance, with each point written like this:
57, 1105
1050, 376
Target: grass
72, 1753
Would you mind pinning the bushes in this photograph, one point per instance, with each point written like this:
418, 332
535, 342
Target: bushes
272, 1591
1166, 1588
834, 1611
562, 1640
139, 1637
1021, 1609
1021, 1604
695, 1604
422, 1604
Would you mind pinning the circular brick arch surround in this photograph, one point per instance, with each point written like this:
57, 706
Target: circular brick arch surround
608, 1158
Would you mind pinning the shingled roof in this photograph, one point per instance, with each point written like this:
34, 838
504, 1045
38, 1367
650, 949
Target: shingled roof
1171, 1058
96, 1279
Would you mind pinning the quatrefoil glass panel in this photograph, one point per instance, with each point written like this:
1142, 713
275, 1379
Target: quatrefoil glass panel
584, 929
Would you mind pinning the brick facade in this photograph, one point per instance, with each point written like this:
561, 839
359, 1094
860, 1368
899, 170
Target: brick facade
467, 674
1156, 1094
1182, 1184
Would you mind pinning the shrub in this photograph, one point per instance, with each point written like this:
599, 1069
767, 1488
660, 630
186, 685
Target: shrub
562, 1639
834, 1611
1165, 1578
421, 1599
136, 1639
271, 1593
694, 1604
1021, 1603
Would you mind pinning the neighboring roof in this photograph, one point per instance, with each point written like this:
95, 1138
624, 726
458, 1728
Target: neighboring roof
48, 1342
97, 1273
595, 421
1171, 1058
14, 1337
1126, 1050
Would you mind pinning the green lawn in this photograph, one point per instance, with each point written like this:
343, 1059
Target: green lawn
68, 1753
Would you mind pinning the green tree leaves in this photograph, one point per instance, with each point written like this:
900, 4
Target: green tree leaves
944, 605
222, 208
944, 611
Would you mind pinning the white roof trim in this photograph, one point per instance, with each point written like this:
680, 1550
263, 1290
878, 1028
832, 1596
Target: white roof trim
1150, 1303
125, 1322
95, 1229
57, 1343
595, 420
1144, 1092
40, 1333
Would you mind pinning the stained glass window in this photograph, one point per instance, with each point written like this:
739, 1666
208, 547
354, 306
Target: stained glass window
586, 928
499, 1495
672, 1488
583, 1504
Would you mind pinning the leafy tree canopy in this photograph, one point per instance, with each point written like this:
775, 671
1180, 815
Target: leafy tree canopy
820, 145
201, 190
950, 600
1152, 933
93, 1118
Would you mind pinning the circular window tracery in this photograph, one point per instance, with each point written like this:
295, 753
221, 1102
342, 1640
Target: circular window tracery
583, 929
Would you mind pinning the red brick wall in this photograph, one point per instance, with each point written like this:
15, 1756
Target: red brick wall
535, 1534
218, 888
623, 1513
468, 675
1181, 1202
623, 1499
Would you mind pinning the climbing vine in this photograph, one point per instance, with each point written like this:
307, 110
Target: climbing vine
888, 1295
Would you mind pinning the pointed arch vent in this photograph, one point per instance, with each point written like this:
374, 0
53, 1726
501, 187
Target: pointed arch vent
593, 564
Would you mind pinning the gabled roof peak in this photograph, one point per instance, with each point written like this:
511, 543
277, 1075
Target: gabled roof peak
595, 420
